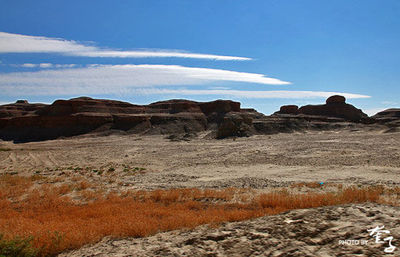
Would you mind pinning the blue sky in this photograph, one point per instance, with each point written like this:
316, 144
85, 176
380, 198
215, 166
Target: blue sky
262, 53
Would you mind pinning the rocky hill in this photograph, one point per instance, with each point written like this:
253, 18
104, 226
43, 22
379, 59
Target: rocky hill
335, 106
390, 117
23, 122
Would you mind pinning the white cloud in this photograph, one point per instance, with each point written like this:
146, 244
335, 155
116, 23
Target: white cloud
251, 94
72, 65
147, 54
44, 65
219, 88
28, 65
16, 43
115, 79
141, 79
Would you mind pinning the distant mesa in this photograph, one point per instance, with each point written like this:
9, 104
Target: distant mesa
63, 118
389, 117
22, 102
388, 113
24, 122
335, 106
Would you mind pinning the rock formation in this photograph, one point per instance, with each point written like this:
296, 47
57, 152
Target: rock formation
390, 117
23, 122
336, 99
289, 109
19, 108
393, 114
235, 124
335, 107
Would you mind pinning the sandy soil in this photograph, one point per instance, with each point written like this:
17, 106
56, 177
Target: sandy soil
310, 232
353, 157
119, 162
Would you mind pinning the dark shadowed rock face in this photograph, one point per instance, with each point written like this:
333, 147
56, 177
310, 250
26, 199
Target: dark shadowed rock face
89, 105
23, 122
390, 117
389, 113
175, 106
21, 102
235, 124
20, 108
336, 99
289, 109
335, 107
338, 110
334, 114
219, 106
215, 111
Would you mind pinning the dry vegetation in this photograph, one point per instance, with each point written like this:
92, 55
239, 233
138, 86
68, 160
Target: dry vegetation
67, 216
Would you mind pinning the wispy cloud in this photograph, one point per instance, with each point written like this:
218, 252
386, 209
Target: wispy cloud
26, 65
144, 80
16, 43
44, 65
250, 94
119, 78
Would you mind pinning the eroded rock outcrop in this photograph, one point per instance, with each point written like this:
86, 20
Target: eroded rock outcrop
235, 124
389, 117
23, 122
393, 114
19, 108
335, 107
289, 109
336, 99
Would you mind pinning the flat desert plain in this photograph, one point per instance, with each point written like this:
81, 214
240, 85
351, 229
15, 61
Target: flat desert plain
314, 161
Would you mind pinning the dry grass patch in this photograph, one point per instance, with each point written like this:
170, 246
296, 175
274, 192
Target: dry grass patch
56, 223
13, 187
306, 184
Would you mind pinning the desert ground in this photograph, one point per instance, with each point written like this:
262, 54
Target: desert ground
262, 163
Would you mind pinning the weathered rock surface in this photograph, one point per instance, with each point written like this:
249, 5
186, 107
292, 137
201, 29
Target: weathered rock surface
390, 117
336, 99
23, 122
19, 108
32, 122
235, 124
335, 107
289, 109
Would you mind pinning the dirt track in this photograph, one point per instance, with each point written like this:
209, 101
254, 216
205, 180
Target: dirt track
339, 156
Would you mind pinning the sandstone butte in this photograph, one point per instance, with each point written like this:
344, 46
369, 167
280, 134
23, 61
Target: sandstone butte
24, 122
